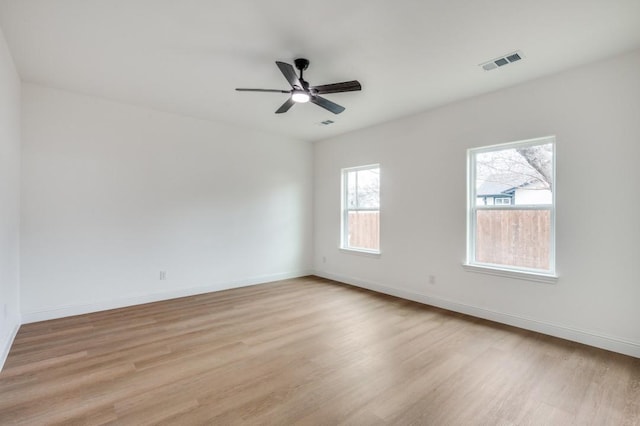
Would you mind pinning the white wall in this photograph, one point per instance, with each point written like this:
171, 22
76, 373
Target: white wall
113, 194
9, 199
594, 111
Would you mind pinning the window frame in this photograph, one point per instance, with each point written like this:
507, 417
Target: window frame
471, 264
344, 216
502, 199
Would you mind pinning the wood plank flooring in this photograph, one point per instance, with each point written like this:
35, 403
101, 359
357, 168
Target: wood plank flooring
307, 351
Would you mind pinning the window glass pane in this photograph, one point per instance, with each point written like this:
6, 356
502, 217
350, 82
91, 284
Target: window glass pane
369, 189
514, 237
364, 230
520, 175
351, 190
361, 217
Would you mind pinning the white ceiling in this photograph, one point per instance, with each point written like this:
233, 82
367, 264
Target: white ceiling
187, 56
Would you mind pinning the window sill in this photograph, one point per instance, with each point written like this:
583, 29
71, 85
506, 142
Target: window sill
521, 275
360, 252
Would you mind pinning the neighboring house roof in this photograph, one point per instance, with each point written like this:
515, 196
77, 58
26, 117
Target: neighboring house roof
489, 188
501, 184
504, 184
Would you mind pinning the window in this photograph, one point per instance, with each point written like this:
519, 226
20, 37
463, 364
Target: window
361, 208
515, 232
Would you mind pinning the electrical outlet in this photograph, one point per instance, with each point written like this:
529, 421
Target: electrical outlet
163, 275
432, 280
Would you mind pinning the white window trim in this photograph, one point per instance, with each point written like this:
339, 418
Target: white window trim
361, 252
470, 264
509, 273
344, 234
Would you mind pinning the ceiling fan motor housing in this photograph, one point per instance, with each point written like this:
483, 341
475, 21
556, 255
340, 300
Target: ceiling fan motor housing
301, 63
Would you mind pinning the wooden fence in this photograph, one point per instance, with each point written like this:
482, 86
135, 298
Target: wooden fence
503, 237
514, 237
364, 230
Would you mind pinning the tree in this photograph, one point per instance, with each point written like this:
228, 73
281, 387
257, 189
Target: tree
540, 157
515, 167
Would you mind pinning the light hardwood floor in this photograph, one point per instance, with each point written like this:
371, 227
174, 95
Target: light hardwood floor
307, 351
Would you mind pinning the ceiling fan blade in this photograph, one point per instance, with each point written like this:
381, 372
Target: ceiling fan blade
347, 86
290, 74
285, 106
327, 104
263, 90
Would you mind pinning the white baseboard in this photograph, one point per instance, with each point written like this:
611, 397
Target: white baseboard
6, 347
614, 344
71, 310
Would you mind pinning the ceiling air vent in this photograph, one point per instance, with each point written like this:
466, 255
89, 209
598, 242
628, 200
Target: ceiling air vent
327, 122
502, 61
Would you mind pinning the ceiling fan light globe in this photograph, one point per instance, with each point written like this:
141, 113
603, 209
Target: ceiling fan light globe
300, 97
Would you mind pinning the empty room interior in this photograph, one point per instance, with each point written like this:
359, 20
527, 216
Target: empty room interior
292, 212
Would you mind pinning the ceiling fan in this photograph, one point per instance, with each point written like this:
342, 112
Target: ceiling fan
302, 92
